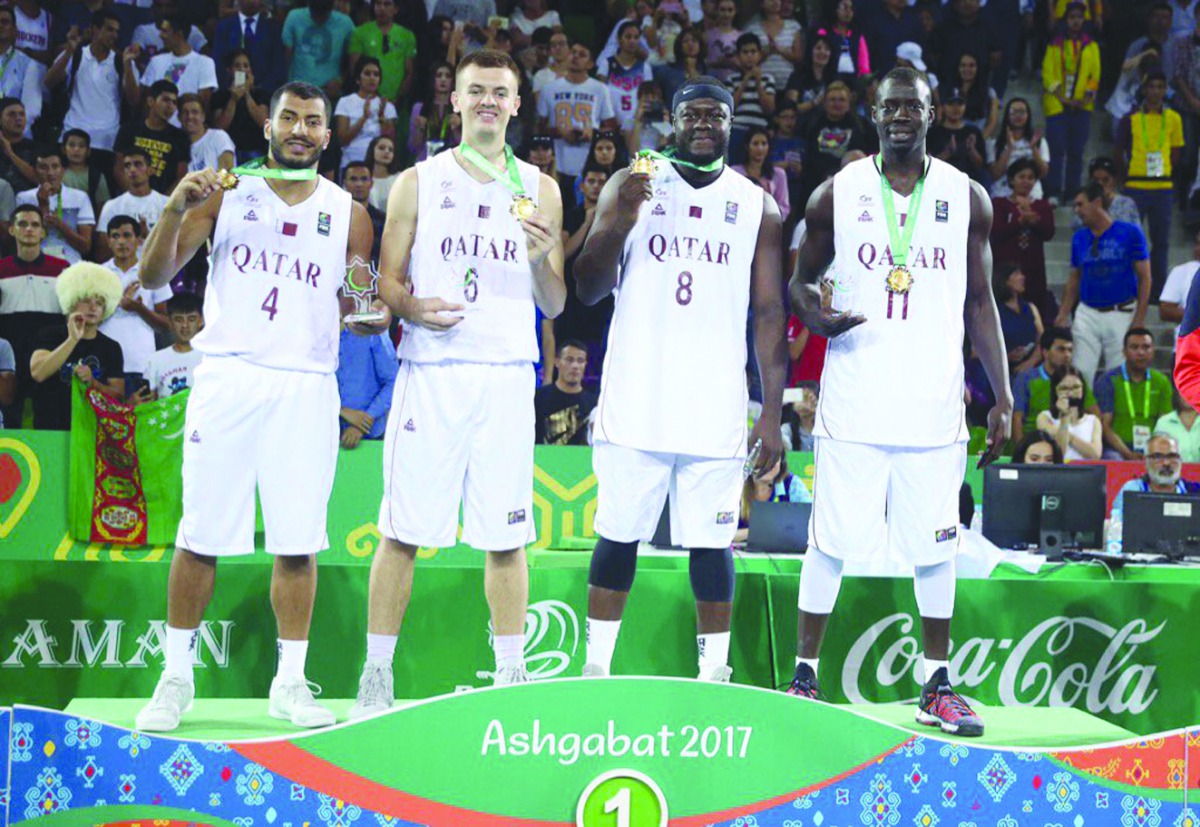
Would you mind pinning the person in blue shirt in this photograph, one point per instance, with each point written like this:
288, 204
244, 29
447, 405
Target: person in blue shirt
1109, 281
366, 374
1164, 473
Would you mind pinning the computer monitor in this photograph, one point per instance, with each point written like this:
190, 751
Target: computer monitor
1044, 506
1161, 524
779, 527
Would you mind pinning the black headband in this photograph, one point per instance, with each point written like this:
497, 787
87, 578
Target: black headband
692, 91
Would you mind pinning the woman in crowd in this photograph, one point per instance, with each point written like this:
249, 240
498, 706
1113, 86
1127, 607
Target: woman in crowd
1021, 226
806, 86
434, 125
1016, 139
242, 109
759, 169
1077, 433
385, 169
539, 151
720, 41
983, 108
211, 148
688, 63
776, 485
364, 115
1019, 320
782, 41
851, 56
1038, 448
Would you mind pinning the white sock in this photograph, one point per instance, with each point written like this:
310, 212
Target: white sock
381, 647
811, 663
714, 650
510, 650
291, 658
932, 666
602, 642
181, 648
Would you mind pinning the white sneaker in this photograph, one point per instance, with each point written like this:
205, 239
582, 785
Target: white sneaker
172, 698
375, 692
594, 670
718, 674
506, 675
292, 700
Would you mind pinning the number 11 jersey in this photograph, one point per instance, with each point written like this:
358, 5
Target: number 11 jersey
675, 371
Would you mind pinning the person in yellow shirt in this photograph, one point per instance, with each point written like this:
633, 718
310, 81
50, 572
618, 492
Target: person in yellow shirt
1093, 15
1150, 140
1071, 77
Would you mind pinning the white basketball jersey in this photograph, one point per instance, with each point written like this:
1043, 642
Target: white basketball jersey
897, 379
675, 371
470, 250
274, 275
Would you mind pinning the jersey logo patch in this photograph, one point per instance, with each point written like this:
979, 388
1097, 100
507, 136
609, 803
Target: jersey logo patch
515, 517
724, 518
250, 216
695, 212
658, 210
944, 534
485, 211
285, 228
447, 204
195, 437
410, 427
866, 200
865, 217
730, 212
942, 212
324, 220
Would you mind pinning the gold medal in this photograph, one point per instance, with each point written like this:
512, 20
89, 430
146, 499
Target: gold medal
899, 280
642, 164
226, 179
522, 208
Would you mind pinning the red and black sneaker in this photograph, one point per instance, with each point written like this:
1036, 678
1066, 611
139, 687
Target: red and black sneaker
804, 684
942, 707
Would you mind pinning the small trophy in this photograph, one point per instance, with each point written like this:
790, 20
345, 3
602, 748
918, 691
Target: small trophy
642, 164
363, 295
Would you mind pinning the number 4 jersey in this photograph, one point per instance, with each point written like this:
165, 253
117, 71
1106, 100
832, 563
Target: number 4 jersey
675, 371
274, 276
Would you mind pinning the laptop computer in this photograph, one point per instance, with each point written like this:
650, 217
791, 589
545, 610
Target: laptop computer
1166, 524
778, 528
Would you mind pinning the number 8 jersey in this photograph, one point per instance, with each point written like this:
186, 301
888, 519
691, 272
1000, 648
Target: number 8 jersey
274, 275
675, 371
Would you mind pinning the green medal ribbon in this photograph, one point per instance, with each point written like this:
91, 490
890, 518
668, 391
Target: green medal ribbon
258, 169
900, 243
670, 157
509, 178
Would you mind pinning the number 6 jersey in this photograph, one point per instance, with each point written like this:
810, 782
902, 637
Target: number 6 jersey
274, 275
675, 372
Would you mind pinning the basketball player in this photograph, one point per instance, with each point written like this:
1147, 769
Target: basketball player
686, 251
908, 238
460, 430
264, 408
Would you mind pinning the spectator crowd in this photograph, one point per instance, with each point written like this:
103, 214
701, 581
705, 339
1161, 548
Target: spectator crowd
106, 104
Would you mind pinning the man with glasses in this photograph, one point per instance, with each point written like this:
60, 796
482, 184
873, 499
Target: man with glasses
1109, 281
1164, 472
1132, 397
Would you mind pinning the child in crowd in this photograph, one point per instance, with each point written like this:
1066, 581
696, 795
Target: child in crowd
169, 370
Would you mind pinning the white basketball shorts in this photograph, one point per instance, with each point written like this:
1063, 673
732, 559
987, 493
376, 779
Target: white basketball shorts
705, 495
867, 498
248, 426
460, 432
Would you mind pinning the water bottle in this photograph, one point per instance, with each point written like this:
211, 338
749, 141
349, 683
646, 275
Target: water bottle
1112, 543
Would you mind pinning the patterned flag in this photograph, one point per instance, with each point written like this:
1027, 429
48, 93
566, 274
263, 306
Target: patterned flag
285, 228
126, 484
